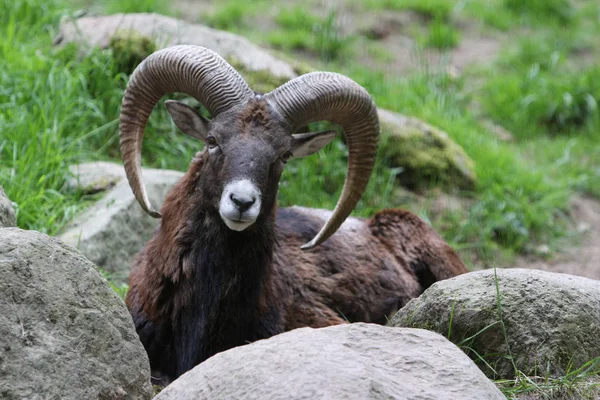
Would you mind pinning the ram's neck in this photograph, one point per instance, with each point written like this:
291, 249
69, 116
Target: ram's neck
227, 297
204, 287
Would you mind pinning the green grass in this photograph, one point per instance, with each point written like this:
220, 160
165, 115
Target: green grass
549, 100
560, 11
115, 6
232, 15
441, 35
122, 6
578, 383
521, 198
498, 14
38, 129
551, 106
55, 110
428, 9
119, 288
302, 30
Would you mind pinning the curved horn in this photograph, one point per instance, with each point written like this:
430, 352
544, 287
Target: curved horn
193, 70
320, 96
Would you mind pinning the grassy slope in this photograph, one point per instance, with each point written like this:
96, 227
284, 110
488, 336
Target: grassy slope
523, 187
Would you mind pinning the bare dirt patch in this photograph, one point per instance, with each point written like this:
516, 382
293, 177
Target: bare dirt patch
409, 57
582, 260
392, 33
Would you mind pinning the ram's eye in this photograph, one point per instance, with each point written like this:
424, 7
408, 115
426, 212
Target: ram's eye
211, 141
285, 157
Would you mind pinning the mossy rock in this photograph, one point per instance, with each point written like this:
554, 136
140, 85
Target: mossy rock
130, 48
263, 81
148, 32
426, 155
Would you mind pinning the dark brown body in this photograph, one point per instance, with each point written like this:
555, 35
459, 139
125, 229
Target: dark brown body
365, 272
199, 288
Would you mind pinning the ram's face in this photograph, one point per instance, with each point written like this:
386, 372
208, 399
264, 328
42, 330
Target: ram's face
247, 149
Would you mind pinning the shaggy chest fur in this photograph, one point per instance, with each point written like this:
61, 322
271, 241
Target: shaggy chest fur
230, 295
257, 283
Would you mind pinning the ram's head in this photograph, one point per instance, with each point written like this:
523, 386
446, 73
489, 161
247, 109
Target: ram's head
250, 137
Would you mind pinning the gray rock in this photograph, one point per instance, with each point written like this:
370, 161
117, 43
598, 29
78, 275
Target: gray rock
425, 154
114, 230
64, 334
552, 321
354, 361
7, 211
97, 31
95, 177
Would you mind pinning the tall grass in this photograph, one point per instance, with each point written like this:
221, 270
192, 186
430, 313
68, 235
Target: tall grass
55, 110
41, 112
304, 30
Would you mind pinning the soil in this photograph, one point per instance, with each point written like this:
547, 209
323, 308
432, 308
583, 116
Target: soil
582, 259
393, 32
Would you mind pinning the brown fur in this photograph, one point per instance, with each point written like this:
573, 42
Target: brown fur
199, 288
362, 273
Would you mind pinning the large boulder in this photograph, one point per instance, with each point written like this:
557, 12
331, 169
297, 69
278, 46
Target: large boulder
112, 231
542, 321
64, 334
354, 361
7, 212
425, 154
262, 70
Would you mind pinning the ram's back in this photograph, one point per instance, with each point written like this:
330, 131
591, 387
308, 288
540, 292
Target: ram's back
366, 271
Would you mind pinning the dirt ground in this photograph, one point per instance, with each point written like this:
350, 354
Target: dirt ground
394, 30
583, 259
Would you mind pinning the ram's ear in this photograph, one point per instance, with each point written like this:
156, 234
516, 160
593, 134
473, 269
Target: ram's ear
306, 144
187, 119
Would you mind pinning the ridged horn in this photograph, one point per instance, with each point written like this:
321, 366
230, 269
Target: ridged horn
193, 70
327, 96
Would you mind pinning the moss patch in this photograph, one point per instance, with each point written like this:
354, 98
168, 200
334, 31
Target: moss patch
426, 155
129, 48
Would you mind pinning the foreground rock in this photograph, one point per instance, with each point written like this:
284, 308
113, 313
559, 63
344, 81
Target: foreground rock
64, 334
426, 154
354, 361
7, 212
261, 69
552, 320
114, 230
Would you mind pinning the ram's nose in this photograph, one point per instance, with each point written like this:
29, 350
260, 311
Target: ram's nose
242, 202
